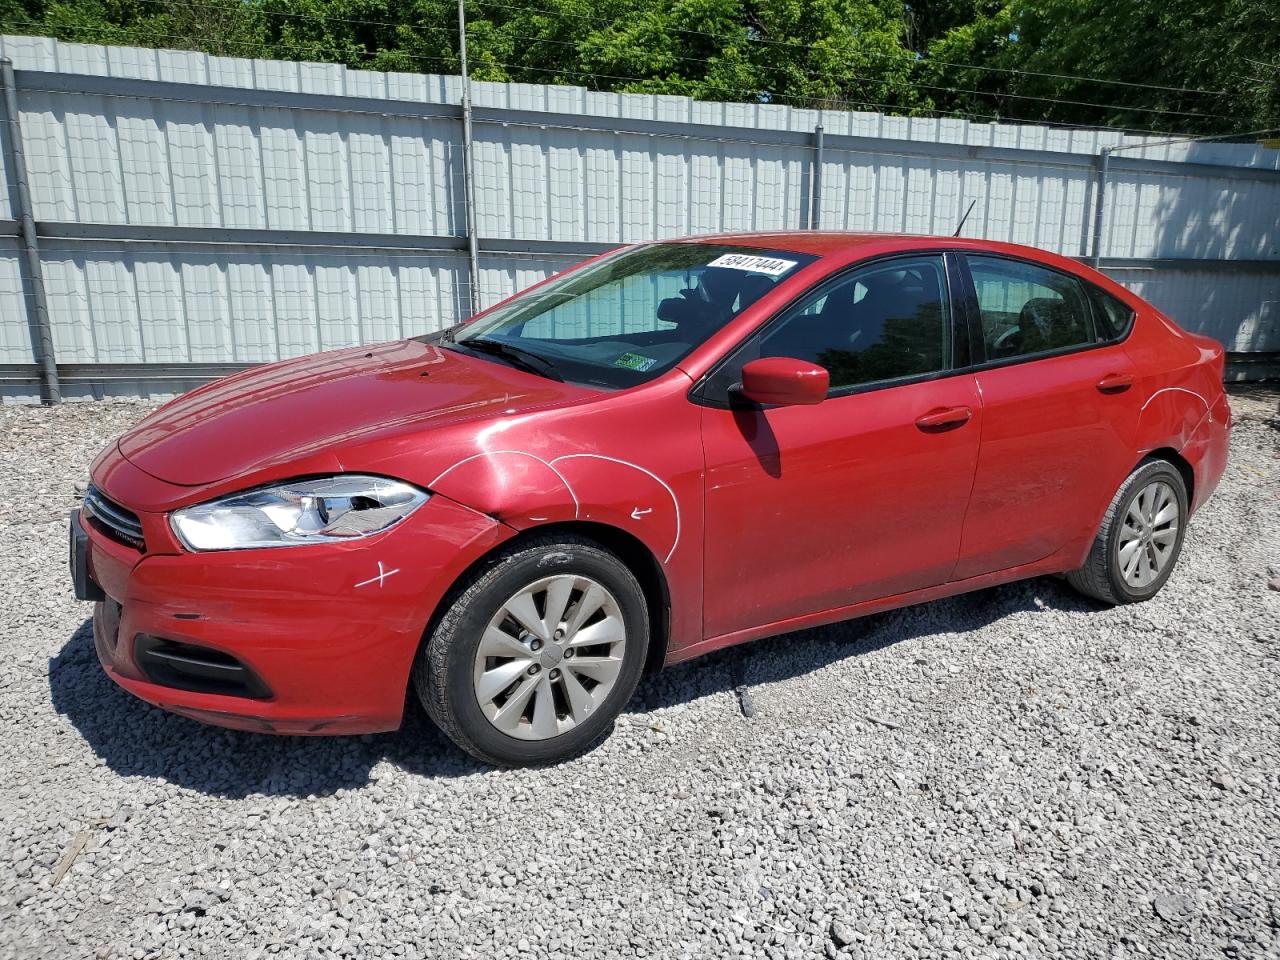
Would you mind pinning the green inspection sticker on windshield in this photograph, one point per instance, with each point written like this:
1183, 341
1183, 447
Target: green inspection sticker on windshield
634, 361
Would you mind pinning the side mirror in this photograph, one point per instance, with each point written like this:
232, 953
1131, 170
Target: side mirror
784, 381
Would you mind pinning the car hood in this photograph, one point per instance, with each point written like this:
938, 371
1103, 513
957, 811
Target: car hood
289, 410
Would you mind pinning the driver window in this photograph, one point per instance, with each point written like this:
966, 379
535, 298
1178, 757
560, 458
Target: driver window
880, 323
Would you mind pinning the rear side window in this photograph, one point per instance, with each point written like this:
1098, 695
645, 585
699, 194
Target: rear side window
1114, 317
1028, 310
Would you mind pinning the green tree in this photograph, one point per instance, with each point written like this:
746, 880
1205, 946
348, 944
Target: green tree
1174, 65
1171, 65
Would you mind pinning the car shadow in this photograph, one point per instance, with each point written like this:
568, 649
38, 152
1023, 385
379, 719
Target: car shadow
135, 739
789, 655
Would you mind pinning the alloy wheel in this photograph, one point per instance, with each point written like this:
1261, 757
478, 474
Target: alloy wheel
549, 657
1148, 535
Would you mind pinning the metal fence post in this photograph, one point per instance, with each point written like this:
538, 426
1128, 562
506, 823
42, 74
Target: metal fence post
1099, 207
815, 181
20, 203
469, 164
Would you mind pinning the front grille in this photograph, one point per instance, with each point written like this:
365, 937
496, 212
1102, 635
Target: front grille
186, 666
117, 522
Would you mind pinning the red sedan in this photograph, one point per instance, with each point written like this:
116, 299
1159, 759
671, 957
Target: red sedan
669, 449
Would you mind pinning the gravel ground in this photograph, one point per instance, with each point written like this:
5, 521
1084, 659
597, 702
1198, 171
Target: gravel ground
1017, 772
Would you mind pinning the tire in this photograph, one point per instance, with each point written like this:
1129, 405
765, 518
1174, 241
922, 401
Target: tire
494, 702
1105, 575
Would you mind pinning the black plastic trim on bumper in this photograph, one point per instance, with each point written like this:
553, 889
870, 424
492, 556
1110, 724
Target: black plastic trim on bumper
196, 669
86, 588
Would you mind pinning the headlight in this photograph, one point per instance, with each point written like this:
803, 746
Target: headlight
323, 510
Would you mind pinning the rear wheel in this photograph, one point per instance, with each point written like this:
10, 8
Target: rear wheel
538, 654
1140, 538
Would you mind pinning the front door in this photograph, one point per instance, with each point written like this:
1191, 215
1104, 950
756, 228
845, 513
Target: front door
809, 508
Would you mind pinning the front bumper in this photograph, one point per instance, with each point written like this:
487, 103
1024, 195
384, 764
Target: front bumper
330, 631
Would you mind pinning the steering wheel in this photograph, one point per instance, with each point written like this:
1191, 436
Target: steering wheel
1005, 341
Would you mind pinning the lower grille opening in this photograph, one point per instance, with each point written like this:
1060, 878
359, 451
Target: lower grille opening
186, 666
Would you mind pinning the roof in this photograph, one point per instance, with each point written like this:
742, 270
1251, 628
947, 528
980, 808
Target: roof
820, 242
847, 245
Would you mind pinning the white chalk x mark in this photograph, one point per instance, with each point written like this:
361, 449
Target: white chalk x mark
380, 578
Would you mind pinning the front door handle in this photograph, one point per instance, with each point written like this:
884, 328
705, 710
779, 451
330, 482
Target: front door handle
1115, 383
944, 418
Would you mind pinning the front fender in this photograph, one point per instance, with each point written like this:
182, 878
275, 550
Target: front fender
626, 495
524, 490
520, 489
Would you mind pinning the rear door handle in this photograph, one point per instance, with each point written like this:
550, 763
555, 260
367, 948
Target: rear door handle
1115, 383
945, 418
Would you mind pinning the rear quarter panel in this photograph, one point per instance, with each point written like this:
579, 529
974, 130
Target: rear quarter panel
1182, 404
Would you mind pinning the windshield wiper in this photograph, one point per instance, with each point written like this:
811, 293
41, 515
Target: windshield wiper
440, 336
516, 356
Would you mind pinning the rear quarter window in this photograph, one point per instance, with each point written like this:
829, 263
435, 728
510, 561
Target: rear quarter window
1115, 317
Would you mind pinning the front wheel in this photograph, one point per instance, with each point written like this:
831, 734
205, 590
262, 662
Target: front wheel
537, 655
1140, 538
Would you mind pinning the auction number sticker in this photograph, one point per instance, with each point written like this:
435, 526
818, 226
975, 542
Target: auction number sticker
772, 266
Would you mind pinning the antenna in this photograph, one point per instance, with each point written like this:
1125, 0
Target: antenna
960, 225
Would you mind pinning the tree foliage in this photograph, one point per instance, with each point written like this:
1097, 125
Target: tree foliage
1169, 65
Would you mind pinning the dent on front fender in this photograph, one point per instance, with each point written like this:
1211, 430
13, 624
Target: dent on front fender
519, 489
524, 490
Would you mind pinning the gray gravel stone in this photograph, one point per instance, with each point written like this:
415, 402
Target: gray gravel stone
842, 933
1014, 773
1174, 907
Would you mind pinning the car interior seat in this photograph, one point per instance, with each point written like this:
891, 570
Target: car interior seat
719, 295
1046, 323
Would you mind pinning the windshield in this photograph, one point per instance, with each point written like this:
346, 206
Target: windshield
630, 317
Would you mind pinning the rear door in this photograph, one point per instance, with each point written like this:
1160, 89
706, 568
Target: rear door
809, 508
1058, 414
